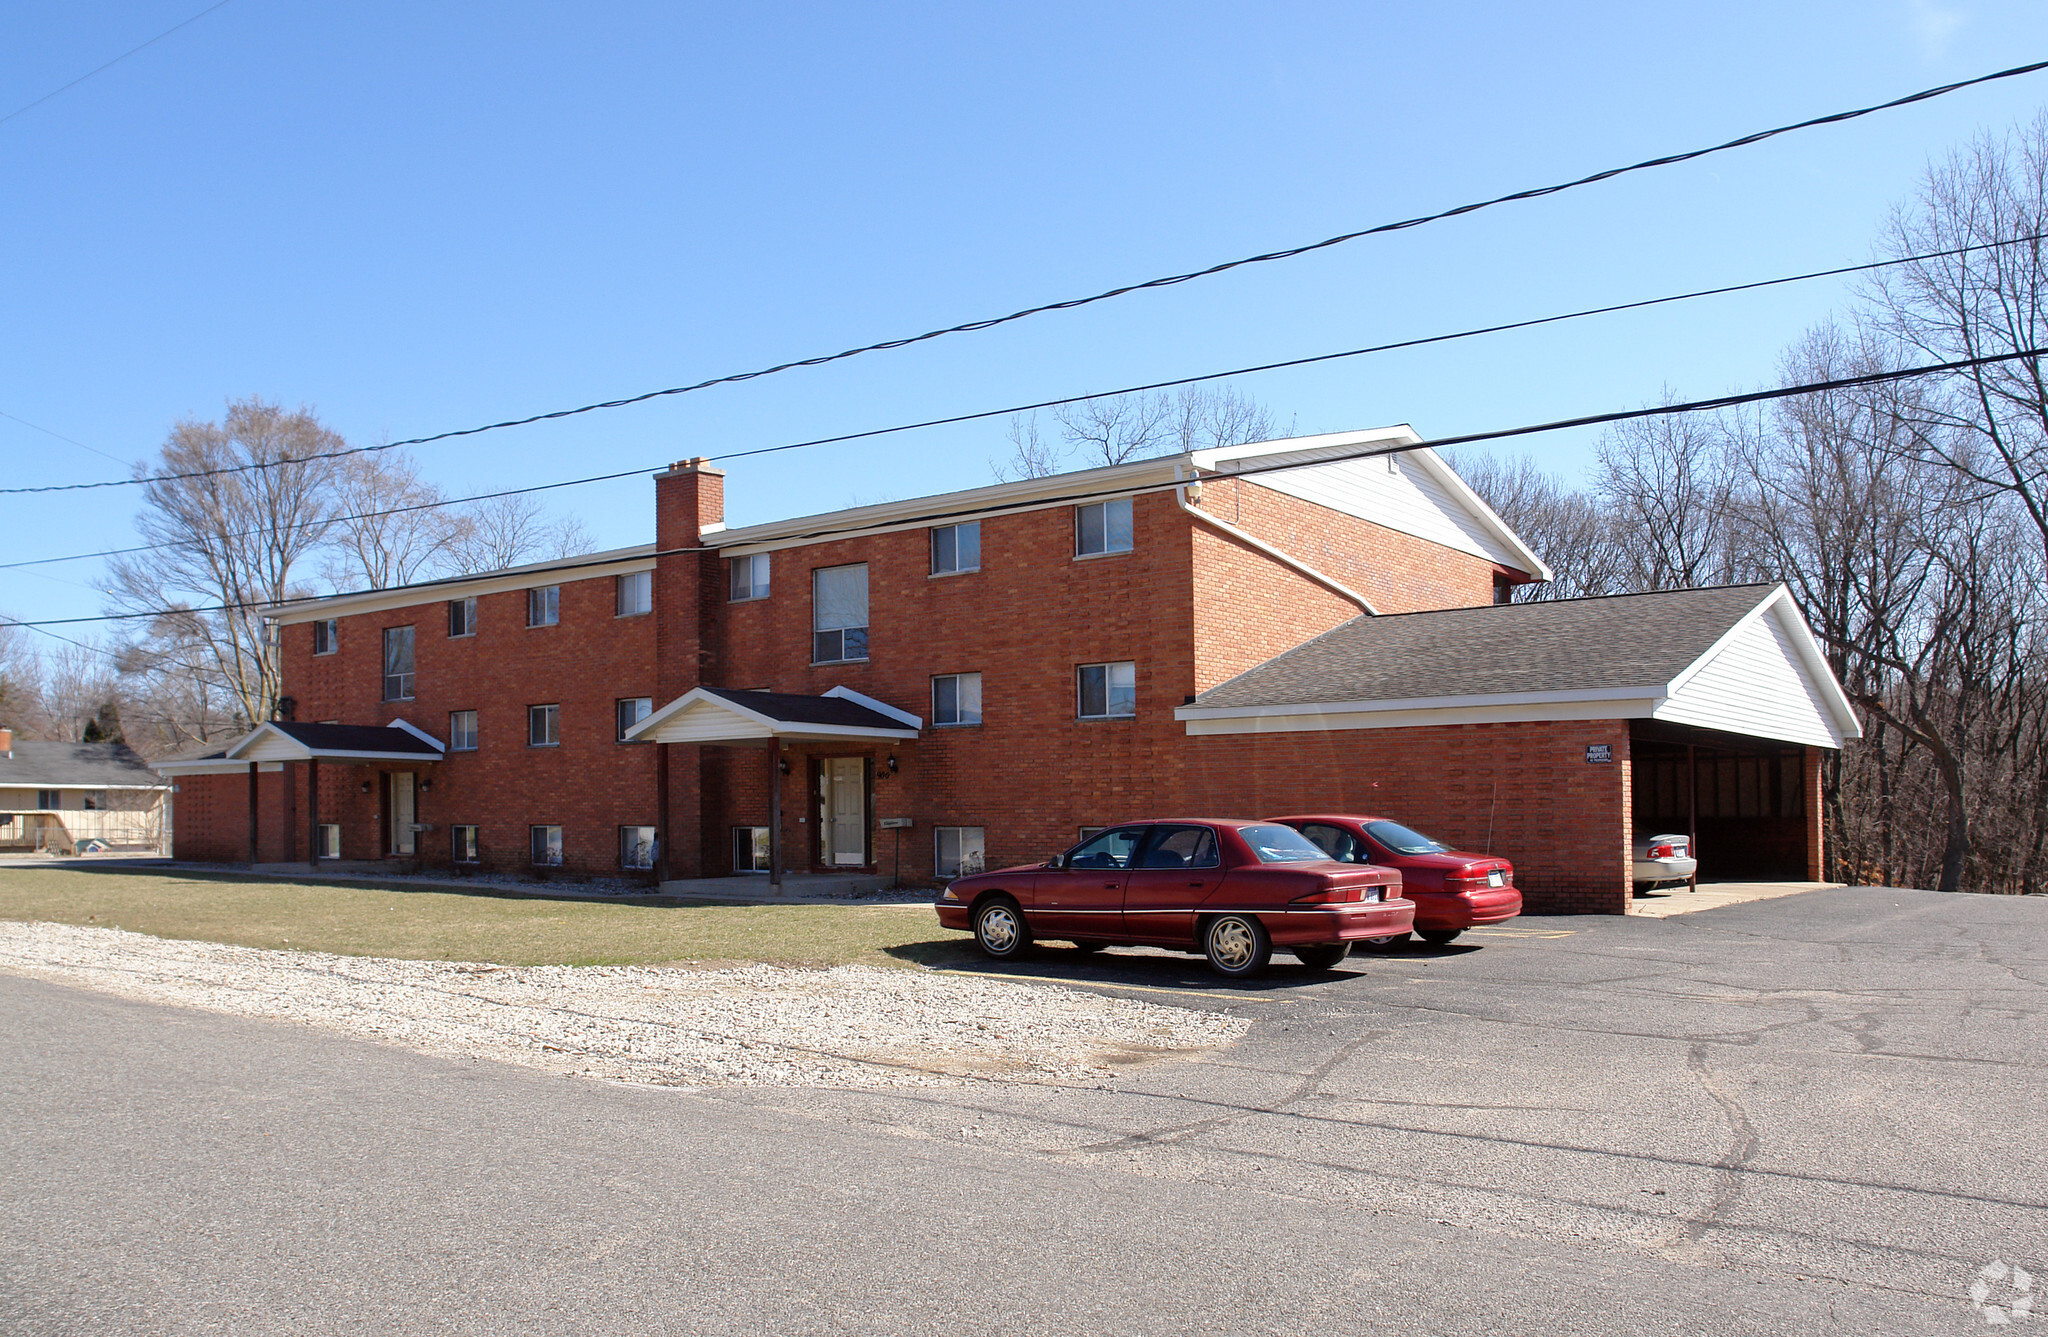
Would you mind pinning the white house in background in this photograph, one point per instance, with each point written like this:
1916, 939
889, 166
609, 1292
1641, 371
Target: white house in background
55, 798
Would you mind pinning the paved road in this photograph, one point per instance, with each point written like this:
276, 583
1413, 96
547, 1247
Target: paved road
1815, 1114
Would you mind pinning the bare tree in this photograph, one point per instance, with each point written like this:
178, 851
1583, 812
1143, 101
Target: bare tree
392, 526
512, 531
78, 685
1116, 429
226, 545
1571, 531
1667, 485
21, 684
1030, 456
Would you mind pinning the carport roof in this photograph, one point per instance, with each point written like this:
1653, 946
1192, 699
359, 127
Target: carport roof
1621, 656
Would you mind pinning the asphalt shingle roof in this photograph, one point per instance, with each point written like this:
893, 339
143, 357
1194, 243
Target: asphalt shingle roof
355, 738
1628, 640
74, 765
795, 708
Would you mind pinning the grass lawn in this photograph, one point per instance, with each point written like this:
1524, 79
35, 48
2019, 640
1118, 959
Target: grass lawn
372, 919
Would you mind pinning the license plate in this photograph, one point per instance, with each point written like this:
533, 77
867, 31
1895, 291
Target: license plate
1374, 894
1494, 879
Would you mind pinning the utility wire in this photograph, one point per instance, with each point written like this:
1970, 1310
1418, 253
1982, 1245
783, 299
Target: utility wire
101, 69
1036, 503
1071, 303
1105, 394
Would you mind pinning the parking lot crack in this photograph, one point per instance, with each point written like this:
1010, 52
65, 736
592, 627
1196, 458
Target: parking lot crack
1742, 1143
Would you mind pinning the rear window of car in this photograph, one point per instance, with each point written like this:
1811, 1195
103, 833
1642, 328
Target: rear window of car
1401, 840
1280, 844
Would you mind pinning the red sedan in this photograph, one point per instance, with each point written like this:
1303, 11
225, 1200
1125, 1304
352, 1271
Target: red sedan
1452, 889
1231, 890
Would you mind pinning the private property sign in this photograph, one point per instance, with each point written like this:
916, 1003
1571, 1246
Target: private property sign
1599, 752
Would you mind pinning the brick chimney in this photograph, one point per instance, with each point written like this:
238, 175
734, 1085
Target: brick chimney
688, 597
7, 742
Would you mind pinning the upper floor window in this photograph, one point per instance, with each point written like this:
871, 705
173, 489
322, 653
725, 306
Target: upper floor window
1102, 526
750, 577
326, 637
839, 614
462, 617
636, 593
95, 800
462, 731
398, 663
956, 698
632, 710
544, 606
49, 800
956, 548
1108, 691
543, 726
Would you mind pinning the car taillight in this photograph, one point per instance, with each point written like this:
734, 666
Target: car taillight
1330, 896
1662, 852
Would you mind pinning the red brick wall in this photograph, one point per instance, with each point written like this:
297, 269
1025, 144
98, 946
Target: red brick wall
1248, 607
1396, 572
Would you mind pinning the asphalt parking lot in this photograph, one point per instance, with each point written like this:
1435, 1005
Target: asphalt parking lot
1813, 1114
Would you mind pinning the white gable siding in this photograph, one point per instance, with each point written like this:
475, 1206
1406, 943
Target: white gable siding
707, 722
1755, 684
1402, 497
272, 746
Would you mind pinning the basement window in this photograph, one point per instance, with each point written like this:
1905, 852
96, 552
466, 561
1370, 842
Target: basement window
547, 846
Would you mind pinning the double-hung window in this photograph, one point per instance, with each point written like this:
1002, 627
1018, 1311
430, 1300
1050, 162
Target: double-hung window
326, 637
547, 845
398, 663
958, 851
956, 548
49, 800
839, 614
632, 710
544, 606
543, 726
956, 698
1108, 691
461, 617
462, 731
636, 593
750, 577
1102, 527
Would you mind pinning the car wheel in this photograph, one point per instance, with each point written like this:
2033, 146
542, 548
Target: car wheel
1322, 955
1237, 945
999, 928
1440, 936
1388, 943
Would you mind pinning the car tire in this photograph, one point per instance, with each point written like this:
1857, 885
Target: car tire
1439, 937
1392, 942
999, 928
1322, 955
1237, 945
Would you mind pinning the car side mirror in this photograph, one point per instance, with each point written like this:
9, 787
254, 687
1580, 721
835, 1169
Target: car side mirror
1056, 861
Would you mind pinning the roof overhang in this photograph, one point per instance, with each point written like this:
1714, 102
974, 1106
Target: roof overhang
270, 743
706, 718
595, 566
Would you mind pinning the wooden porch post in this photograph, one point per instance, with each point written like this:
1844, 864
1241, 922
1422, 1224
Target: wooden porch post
313, 813
775, 812
255, 831
1692, 812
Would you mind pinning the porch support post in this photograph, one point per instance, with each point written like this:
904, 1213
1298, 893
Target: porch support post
661, 822
1692, 811
313, 813
775, 812
255, 831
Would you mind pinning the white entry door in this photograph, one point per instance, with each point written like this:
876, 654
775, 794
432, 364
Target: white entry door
402, 816
846, 810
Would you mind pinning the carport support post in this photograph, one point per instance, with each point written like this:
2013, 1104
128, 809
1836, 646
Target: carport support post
313, 813
775, 812
661, 830
254, 830
1692, 812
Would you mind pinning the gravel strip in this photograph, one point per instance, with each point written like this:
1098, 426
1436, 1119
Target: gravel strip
749, 1025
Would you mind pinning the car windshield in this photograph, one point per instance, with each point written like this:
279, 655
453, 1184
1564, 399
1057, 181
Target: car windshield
1280, 844
1401, 840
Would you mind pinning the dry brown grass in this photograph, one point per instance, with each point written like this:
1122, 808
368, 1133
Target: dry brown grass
394, 920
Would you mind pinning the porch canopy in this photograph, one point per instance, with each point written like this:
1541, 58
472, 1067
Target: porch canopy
727, 717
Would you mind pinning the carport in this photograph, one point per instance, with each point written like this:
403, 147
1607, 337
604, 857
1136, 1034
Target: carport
1551, 732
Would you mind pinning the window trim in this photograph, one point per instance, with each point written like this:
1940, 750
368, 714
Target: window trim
554, 706
1080, 669
534, 592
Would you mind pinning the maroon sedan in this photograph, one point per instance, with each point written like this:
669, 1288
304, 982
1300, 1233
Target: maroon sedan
1452, 889
1231, 890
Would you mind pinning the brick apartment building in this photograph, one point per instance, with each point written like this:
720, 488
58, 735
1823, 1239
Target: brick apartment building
983, 675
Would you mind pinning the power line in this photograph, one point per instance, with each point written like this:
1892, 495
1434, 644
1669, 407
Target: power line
1170, 280
1471, 438
101, 69
983, 414
61, 437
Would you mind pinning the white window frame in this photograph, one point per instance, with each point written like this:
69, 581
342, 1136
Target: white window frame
544, 606
645, 850
554, 718
1109, 687
641, 587
463, 850
955, 531
960, 682
646, 708
464, 611
759, 849
533, 845
455, 736
1101, 512
404, 680
957, 865
845, 634
756, 566
327, 632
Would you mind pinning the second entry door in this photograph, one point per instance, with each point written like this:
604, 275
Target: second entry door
402, 836
844, 821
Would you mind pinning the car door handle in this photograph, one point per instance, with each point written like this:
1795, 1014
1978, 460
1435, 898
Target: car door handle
1198, 884
1111, 886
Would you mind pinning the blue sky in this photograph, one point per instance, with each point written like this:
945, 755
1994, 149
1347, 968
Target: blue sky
417, 218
